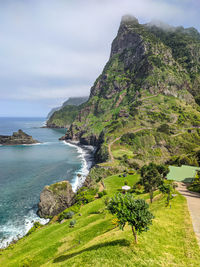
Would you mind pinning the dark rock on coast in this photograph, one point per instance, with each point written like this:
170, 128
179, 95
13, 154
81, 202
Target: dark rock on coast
55, 198
18, 138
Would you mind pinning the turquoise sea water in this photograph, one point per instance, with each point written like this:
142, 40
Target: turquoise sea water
26, 169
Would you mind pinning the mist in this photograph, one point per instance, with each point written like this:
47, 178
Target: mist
52, 50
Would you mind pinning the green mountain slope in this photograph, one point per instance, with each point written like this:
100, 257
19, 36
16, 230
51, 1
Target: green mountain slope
149, 84
96, 241
66, 114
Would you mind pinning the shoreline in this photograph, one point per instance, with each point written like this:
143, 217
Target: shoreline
86, 153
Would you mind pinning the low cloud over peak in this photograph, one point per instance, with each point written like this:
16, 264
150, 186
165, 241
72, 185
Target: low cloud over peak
51, 50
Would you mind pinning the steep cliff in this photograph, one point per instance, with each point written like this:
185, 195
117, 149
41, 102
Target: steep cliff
144, 85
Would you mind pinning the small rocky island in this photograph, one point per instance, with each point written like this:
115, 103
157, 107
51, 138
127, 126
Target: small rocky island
18, 138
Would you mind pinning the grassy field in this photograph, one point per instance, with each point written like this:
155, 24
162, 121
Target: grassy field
94, 241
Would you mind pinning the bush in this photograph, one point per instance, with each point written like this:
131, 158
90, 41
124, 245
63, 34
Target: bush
98, 173
134, 165
164, 128
72, 223
106, 201
195, 186
101, 194
138, 189
85, 195
68, 215
73, 209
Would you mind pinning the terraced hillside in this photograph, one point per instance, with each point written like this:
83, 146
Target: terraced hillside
150, 84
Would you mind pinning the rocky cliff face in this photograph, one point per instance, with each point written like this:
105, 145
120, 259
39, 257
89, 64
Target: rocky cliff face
143, 64
55, 198
18, 138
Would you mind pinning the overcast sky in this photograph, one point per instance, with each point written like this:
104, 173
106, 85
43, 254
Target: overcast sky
53, 49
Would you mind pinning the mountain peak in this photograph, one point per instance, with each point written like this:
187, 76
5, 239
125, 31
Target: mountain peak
129, 18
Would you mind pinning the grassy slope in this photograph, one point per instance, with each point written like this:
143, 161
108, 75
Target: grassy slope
95, 242
153, 145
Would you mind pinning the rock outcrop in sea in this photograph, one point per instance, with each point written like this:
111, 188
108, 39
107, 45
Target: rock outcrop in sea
18, 138
55, 198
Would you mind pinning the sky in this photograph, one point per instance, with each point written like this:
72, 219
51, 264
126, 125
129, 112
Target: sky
54, 49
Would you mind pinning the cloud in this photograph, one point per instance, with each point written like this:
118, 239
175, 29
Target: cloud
52, 49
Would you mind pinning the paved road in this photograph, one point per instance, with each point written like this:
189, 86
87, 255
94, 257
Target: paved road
193, 201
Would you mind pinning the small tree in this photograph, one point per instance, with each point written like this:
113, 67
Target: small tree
135, 212
167, 189
152, 176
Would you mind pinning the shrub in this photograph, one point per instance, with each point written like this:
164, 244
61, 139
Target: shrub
68, 215
164, 128
72, 223
85, 195
101, 194
138, 189
73, 209
134, 165
106, 201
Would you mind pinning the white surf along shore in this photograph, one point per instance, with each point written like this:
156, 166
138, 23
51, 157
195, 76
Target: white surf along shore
18, 230
86, 155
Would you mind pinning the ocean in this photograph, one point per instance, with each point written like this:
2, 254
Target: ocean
26, 169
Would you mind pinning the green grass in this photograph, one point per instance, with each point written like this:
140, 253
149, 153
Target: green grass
95, 242
122, 151
115, 183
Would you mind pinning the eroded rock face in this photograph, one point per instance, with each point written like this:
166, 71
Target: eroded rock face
55, 198
18, 138
144, 61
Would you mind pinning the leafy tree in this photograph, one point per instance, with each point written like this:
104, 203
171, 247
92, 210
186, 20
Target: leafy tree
135, 212
164, 128
163, 170
152, 176
167, 189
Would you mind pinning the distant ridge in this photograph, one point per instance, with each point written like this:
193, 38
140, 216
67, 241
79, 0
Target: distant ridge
74, 101
63, 116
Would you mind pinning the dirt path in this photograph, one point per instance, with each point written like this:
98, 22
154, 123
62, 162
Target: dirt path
193, 201
109, 148
110, 145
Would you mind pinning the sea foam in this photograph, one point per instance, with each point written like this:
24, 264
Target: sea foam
86, 156
15, 230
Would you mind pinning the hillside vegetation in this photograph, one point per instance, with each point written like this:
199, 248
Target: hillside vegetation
95, 240
63, 116
143, 108
150, 85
